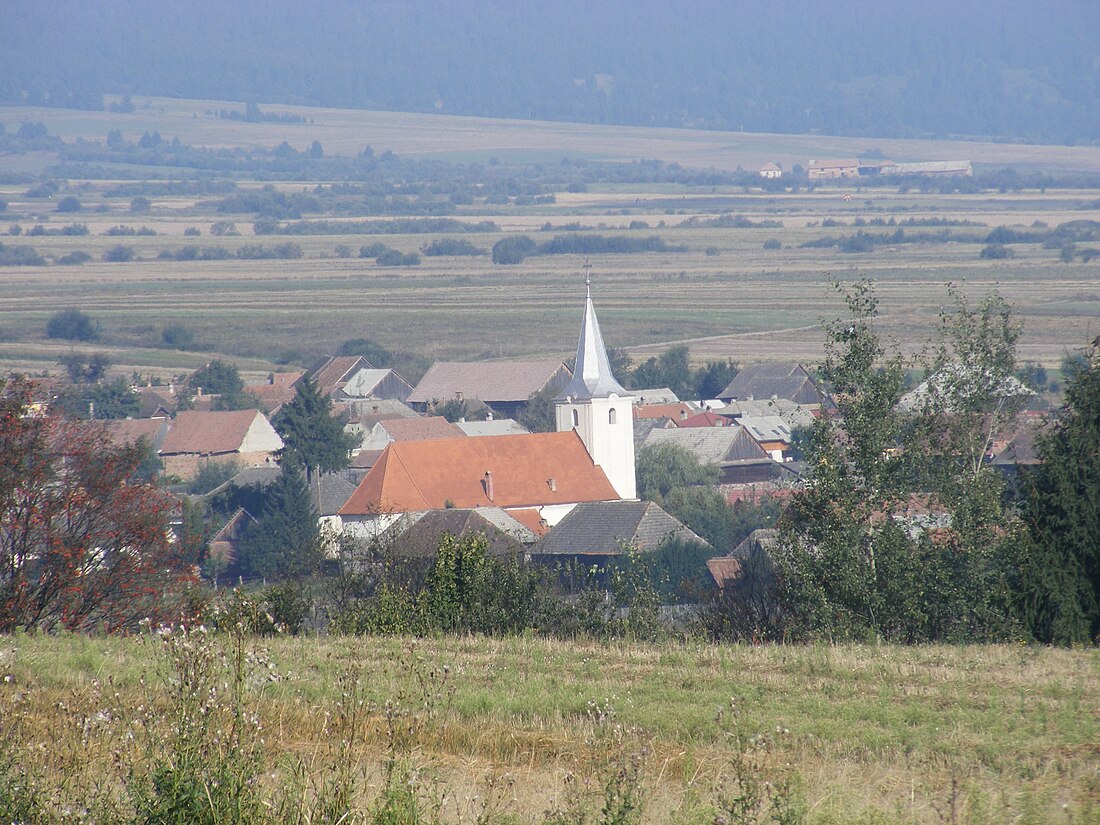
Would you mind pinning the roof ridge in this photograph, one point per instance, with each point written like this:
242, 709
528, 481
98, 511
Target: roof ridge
412, 479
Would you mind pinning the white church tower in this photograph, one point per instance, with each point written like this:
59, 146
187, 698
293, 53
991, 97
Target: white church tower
598, 408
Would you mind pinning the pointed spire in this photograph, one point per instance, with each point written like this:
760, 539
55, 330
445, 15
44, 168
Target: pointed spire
592, 376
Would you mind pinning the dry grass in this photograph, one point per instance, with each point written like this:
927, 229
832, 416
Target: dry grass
346, 132
874, 731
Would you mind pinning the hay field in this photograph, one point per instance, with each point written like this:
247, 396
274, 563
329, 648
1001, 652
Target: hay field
875, 734
346, 132
726, 296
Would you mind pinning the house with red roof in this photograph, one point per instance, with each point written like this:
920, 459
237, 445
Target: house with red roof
535, 478
196, 437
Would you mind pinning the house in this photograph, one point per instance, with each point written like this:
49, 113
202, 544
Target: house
328, 491
832, 169
156, 402
644, 426
493, 426
375, 383
771, 432
221, 552
596, 532
679, 411
130, 430
503, 385
279, 389
737, 454
706, 419
756, 547
655, 395
196, 437
771, 171
792, 413
410, 429
931, 169
360, 415
549, 473
417, 535
788, 381
331, 373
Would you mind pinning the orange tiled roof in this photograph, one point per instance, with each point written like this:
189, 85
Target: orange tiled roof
677, 412
705, 419
411, 476
208, 433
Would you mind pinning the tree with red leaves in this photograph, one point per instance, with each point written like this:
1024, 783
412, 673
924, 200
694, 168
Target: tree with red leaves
84, 542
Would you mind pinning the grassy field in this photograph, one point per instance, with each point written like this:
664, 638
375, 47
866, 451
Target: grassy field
346, 132
726, 296
869, 734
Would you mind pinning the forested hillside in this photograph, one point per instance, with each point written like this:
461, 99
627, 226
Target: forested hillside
1001, 68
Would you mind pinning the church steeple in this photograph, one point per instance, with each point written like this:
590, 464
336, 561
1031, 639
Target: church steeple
592, 377
597, 407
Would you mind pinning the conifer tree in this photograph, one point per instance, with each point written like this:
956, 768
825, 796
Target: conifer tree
313, 439
285, 540
1058, 589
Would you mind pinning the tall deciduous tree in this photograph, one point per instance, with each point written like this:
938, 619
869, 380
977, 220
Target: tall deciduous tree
315, 441
1058, 589
899, 532
83, 540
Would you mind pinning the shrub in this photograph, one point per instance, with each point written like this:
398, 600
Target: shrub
119, 254
74, 258
20, 256
177, 336
773, 243
140, 204
192, 231
69, 204
995, 251
512, 250
72, 325
451, 246
393, 257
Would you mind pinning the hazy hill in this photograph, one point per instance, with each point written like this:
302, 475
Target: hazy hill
997, 68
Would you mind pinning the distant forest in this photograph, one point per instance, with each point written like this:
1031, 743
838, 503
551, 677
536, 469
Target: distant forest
1003, 69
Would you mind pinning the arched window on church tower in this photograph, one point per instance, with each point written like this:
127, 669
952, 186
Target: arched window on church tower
576, 419
611, 414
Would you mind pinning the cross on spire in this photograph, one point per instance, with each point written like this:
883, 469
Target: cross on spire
587, 277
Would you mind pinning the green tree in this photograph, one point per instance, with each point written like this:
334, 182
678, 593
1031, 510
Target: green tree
69, 204
662, 468
314, 440
1058, 581
713, 377
513, 249
538, 414
102, 401
853, 559
284, 541
669, 369
218, 377
72, 325
83, 368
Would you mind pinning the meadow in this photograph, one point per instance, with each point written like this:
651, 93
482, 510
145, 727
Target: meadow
518, 727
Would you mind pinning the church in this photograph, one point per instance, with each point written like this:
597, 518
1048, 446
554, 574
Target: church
537, 478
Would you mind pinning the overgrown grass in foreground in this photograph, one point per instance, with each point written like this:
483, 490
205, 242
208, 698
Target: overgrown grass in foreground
220, 728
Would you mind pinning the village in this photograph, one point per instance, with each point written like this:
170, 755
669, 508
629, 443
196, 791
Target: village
452, 456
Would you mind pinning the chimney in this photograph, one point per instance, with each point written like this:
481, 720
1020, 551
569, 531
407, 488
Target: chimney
198, 391
487, 484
